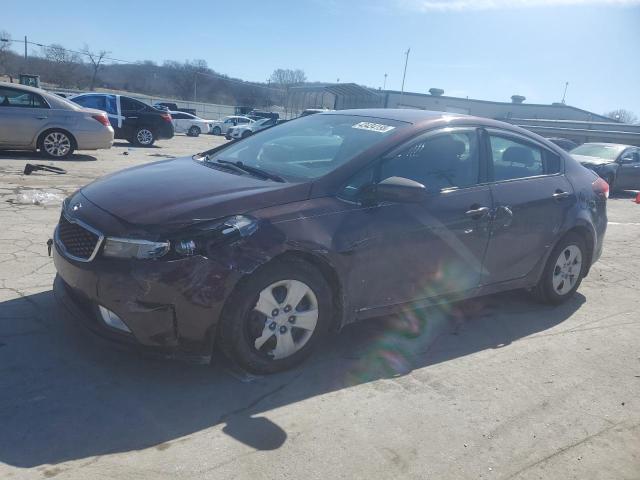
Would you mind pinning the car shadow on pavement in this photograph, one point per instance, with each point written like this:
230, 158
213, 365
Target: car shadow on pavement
66, 396
36, 157
131, 145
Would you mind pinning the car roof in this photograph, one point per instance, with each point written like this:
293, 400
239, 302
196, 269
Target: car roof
399, 114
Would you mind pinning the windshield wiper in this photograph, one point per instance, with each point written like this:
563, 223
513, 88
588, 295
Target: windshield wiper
252, 170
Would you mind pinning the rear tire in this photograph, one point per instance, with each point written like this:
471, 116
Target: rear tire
246, 134
564, 270
56, 144
143, 137
194, 131
217, 131
290, 329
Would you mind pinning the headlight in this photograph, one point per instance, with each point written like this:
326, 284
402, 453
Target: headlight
134, 248
223, 231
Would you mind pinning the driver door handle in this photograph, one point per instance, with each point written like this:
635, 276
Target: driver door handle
477, 213
560, 194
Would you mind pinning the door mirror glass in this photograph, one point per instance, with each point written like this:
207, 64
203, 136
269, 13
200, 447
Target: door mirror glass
401, 190
627, 159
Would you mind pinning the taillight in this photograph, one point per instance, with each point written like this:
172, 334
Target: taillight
166, 117
102, 119
601, 187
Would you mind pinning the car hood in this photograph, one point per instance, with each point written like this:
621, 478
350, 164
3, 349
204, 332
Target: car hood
174, 193
591, 161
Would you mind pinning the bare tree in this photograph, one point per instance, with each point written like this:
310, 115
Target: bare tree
286, 77
184, 76
64, 64
622, 115
96, 61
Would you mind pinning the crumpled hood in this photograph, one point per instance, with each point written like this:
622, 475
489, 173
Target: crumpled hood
182, 191
591, 161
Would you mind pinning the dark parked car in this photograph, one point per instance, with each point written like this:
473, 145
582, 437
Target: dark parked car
262, 246
563, 143
618, 164
172, 107
131, 120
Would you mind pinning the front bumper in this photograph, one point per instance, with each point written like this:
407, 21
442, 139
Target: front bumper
171, 307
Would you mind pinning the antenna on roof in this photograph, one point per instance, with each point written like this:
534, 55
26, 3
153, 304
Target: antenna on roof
565, 92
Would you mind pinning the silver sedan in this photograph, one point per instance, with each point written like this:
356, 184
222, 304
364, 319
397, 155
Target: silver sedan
32, 119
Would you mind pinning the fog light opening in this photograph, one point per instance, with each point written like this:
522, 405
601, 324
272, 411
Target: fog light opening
112, 320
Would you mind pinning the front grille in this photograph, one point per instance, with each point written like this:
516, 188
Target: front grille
77, 241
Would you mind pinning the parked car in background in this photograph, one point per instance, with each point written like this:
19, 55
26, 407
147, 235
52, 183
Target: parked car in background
312, 111
132, 120
243, 131
220, 127
618, 164
172, 107
190, 124
263, 114
563, 143
32, 119
261, 247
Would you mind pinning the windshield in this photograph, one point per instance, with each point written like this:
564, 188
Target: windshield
309, 147
609, 152
261, 121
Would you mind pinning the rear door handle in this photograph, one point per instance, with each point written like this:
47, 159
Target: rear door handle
477, 213
560, 194
42, 117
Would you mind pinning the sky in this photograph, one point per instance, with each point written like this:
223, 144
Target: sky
485, 49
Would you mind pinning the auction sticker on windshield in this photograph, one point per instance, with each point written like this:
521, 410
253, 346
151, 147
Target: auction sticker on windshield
374, 127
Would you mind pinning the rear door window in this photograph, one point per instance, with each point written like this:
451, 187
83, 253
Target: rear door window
514, 158
131, 105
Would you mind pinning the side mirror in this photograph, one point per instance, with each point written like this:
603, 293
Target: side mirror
626, 160
400, 190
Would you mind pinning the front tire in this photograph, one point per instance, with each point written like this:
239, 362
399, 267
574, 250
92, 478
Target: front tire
276, 318
564, 270
194, 131
143, 137
57, 144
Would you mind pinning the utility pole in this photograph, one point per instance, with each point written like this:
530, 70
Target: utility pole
565, 91
384, 85
195, 87
25, 47
406, 61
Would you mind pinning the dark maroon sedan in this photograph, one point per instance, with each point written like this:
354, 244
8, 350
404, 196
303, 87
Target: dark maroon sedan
261, 246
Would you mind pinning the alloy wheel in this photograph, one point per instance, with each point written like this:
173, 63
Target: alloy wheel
567, 269
57, 144
144, 136
283, 319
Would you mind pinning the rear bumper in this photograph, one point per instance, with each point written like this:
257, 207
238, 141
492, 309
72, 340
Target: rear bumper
98, 140
165, 131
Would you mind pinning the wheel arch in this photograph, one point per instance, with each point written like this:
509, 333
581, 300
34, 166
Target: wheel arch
587, 232
326, 269
41, 135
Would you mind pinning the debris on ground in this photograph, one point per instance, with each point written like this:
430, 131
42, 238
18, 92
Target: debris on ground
38, 197
30, 167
